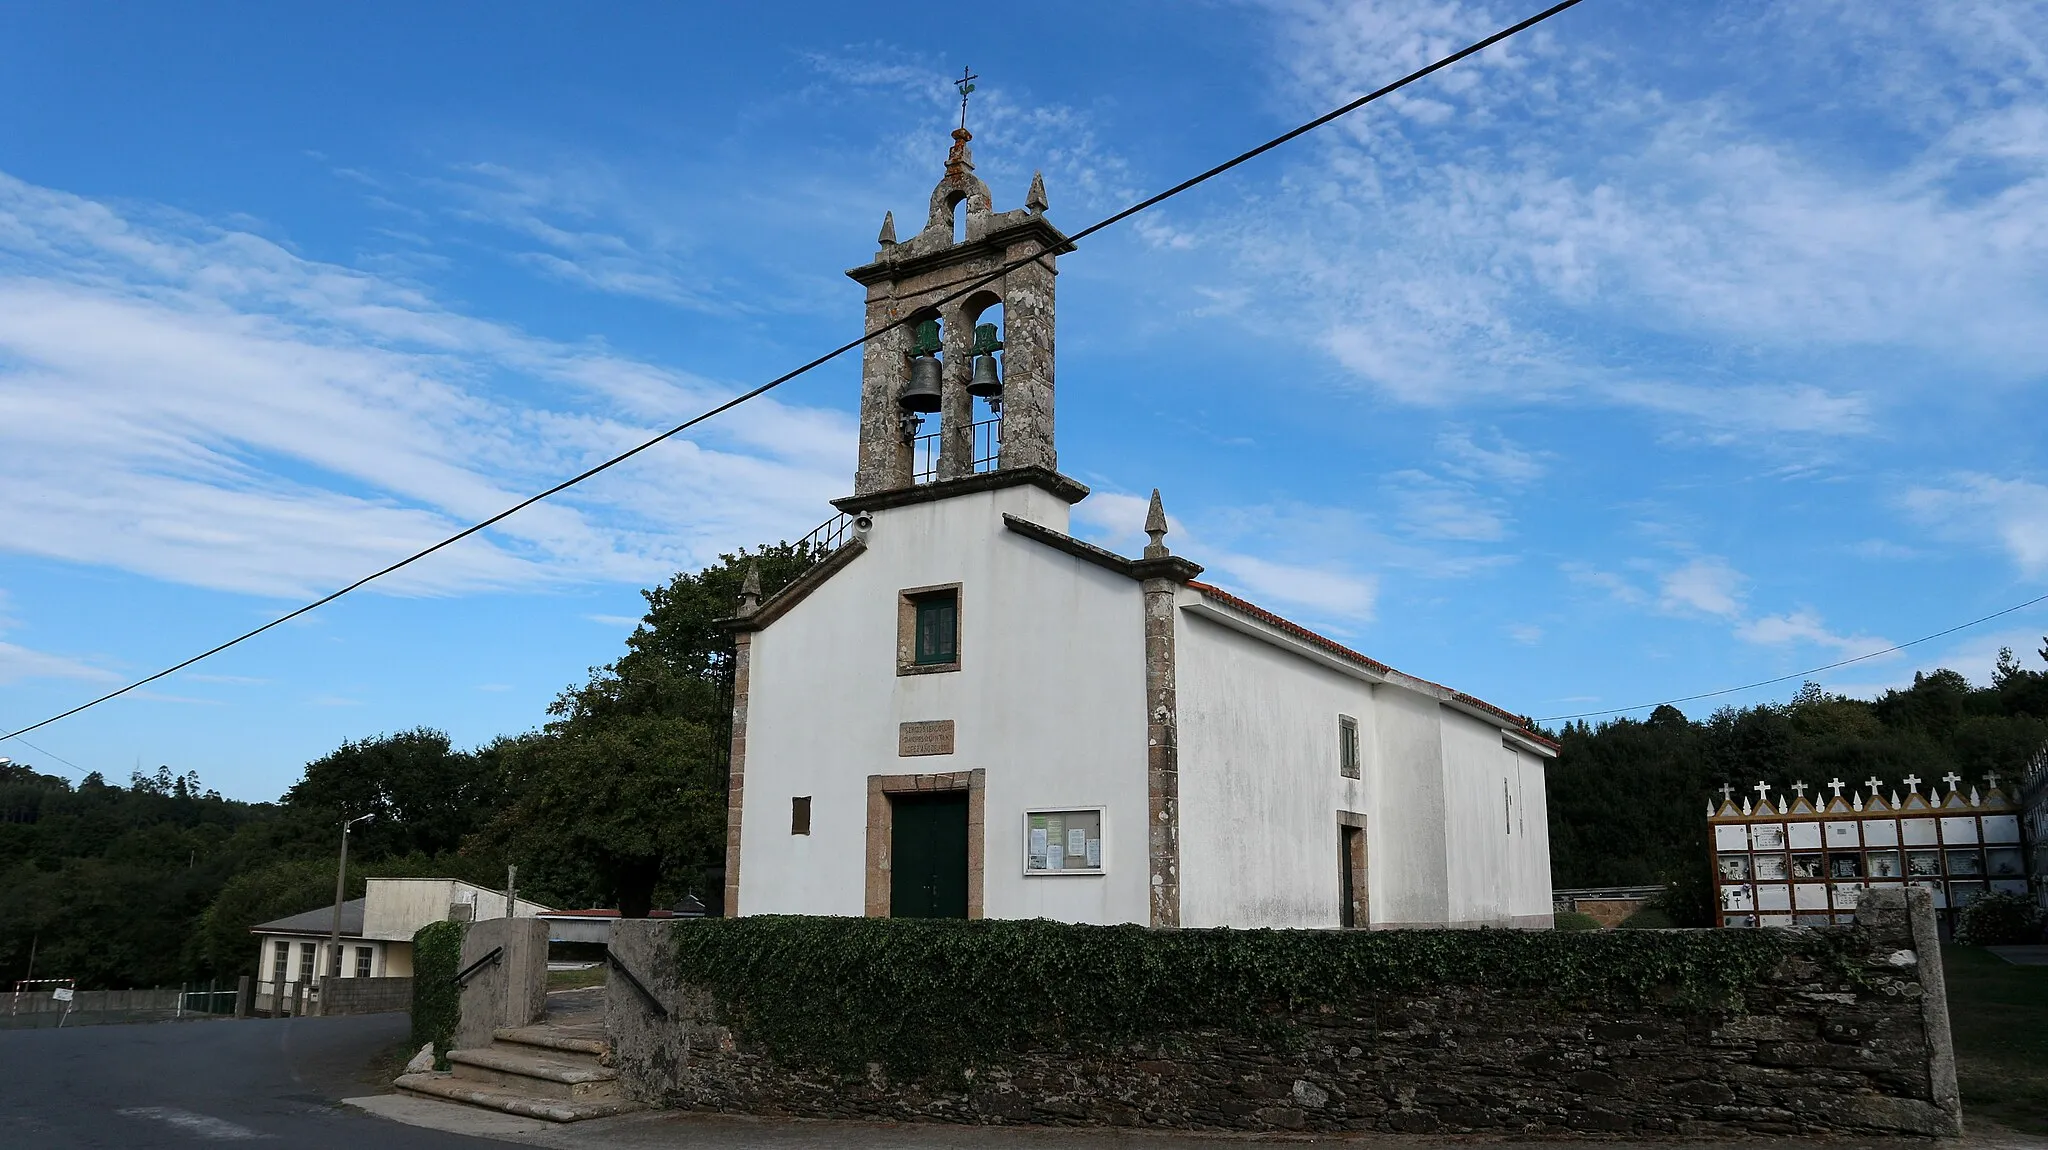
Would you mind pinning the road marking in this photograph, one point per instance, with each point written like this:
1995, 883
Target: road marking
217, 1129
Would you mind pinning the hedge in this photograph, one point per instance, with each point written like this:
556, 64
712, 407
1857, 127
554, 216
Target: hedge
436, 1000
940, 996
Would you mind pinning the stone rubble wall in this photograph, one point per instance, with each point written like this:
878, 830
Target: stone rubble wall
1803, 1059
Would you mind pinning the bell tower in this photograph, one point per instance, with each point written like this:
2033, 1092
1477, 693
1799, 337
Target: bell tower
990, 415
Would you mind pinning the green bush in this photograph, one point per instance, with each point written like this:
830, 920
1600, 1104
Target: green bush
935, 996
436, 1000
1648, 918
2000, 920
1577, 920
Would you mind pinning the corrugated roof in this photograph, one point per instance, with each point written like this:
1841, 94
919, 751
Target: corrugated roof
319, 921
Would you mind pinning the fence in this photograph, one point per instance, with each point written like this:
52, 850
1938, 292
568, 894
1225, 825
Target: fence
42, 1009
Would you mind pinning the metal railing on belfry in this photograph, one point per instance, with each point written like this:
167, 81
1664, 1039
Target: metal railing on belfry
988, 451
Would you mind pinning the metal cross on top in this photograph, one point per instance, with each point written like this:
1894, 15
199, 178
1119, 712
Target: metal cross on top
1873, 782
1727, 792
1951, 779
1800, 787
1763, 791
1912, 783
1837, 784
966, 84
1990, 781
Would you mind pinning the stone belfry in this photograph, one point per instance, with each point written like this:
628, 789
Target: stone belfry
909, 279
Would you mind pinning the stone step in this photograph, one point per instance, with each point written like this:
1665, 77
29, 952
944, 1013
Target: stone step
526, 1068
447, 1087
567, 1040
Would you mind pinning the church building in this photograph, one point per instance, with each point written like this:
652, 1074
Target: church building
961, 710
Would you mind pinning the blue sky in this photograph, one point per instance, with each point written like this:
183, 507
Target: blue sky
1673, 347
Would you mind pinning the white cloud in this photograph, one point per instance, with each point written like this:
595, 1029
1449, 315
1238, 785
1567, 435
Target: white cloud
18, 663
1706, 584
1805, 627
2013, 513
1527, 634
1502, 463
1520, 226
1440, 509
1346, 596
200, 405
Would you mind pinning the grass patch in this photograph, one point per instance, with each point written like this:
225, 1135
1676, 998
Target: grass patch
576, 979
1998, 1016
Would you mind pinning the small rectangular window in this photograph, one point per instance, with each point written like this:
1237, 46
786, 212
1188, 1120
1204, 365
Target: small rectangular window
363, 956
800, 815
1347, 746
307, 953
938, 629
281, 963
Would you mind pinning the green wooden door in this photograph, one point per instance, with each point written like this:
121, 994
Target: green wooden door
928, 856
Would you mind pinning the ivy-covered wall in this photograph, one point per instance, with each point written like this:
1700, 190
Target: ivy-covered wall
1676, 1032
436, 1001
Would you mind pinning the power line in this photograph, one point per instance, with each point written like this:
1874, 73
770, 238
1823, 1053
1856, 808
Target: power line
1798, 674
778, 381
31, 746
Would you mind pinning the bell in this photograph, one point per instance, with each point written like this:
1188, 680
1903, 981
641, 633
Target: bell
986, 383
922, 392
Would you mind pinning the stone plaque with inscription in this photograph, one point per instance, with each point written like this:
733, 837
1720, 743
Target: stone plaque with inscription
932, 737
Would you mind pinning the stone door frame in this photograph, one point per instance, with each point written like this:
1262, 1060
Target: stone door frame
882, 825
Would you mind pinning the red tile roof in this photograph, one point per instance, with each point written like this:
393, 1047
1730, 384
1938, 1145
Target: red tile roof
1521, 724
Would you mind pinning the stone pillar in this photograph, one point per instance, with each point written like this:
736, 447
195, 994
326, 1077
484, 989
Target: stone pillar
1901, 924
510, 992
1027, 361
244, 996
956, 407
1162, 754
885, 459
736, 769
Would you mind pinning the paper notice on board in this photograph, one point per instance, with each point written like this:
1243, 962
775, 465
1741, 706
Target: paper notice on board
1095, 854
1055, 857
1038, 841
1077, 842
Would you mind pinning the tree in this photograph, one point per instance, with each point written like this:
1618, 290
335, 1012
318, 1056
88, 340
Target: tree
427, 796
623, 793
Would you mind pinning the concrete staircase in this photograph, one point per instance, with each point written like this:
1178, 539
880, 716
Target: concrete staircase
554, 1070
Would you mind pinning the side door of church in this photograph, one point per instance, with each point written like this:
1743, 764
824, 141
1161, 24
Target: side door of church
928, 855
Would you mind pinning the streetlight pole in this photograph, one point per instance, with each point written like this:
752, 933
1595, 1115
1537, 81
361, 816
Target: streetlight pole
340, 889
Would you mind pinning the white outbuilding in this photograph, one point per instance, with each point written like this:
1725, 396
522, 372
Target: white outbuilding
962, 710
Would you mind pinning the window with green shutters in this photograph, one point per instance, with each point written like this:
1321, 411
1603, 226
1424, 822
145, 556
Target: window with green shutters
938, 629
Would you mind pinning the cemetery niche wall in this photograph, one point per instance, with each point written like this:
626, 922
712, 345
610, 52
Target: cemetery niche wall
1807, 862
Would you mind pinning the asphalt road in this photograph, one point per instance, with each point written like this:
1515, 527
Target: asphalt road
185, 1084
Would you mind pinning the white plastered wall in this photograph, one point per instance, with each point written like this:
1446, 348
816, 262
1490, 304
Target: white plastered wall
1261, 790
1049, 701
1260, 785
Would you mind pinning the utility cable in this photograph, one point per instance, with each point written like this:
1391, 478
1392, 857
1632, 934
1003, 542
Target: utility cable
1796, 674
835, 353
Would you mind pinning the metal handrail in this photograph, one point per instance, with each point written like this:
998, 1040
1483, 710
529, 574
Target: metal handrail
828, 536
468, 972
615, 963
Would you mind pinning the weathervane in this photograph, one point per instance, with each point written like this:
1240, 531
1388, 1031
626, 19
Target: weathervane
966, 84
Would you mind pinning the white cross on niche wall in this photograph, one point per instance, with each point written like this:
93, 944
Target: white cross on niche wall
1912, 783
1837, 784
1800, 788
1951, 779
1763, 792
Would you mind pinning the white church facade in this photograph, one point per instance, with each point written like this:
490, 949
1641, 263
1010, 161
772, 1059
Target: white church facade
961, 710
